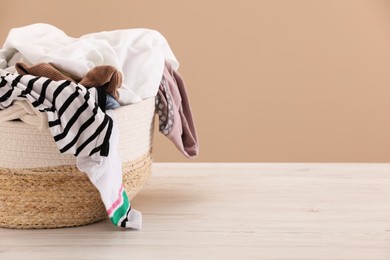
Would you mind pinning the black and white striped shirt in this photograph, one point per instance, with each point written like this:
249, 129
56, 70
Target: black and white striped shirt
79, 126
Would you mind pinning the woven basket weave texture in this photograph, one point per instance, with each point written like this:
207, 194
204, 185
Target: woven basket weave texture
42, 188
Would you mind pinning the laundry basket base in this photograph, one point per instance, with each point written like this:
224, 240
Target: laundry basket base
60, 196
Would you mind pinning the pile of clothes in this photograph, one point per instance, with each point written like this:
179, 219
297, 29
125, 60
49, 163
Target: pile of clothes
72, 85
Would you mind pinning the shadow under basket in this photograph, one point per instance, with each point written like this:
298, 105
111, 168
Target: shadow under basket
41, 188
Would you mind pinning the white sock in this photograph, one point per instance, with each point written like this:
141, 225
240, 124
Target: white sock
134, 219
105, 173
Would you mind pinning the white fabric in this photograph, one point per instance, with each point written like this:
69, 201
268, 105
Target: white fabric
23, 110
8, 59
5, 56
106, 175
139, 54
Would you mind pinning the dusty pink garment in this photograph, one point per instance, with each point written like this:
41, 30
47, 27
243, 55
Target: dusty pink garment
173, 108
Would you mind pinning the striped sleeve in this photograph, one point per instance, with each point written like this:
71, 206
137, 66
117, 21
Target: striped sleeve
77, 123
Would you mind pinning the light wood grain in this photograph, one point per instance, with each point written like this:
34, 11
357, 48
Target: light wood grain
236, 211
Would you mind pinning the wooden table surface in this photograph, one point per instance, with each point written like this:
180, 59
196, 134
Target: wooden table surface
236, 211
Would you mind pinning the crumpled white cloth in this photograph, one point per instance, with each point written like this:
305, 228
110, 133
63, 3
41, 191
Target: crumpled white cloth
23, 110
139, 54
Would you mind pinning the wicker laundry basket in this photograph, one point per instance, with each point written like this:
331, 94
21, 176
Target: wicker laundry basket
42, 188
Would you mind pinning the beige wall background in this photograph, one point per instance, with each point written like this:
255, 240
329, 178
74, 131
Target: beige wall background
269, 81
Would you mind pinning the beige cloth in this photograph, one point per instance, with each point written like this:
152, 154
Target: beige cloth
23, 110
